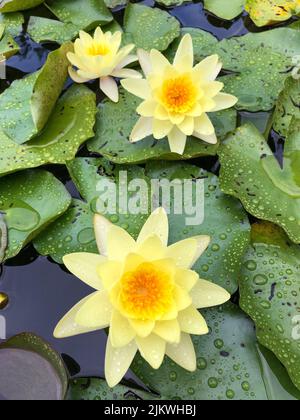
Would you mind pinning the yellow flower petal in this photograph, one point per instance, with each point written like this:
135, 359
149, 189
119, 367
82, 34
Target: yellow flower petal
161, 113
84, 266
118, 361
124, 73
132, 262
157, 224
119, 243
96, 312
161, 129
182, 298
224, 101
67, 326
204, 126
152, 349
168, 330
186, 252
151, 249
211, 139
147, 108
85, 38
184, 58
101, 227
131, 58
183, 353
186, 279
192, 322
142, 129
139, 88
74, 76
158, 61
208, 69
177, 141
142, 328
206, 294
213, 88
110, 272
109, 86
187, 126
121, 333
144, 59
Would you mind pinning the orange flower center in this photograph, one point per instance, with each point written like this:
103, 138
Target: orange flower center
179, 94
96, 49
146, 293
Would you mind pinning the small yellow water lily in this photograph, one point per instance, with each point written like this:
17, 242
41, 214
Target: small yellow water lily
177, 97
101, 57
146, 293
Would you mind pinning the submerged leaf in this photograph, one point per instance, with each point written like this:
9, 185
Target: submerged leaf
30, 201
270, 288
85, 14
70, 125
250, 172
27, 104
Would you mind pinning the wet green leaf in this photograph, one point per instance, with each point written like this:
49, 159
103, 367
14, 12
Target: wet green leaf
3, 238
229, 365
18, 5
8, 46
31, 370
30, 201
150, 28
91, 389
85, 14
74, 231
225, 9
224, 220
251, 173
13, 22
268, 12
27, 104
270, 290
115, 3
70, 125
116, 121
287, 107
42, 29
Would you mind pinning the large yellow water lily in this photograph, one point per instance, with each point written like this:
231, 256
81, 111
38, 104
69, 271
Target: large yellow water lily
177, 97
146, 292
101, 57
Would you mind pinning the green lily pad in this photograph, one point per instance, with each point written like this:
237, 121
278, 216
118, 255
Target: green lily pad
8, 46
42, 29
268, 12
229, 365
3, 238
31, 370
111, 4
287, 107
69, 126
270, 289
224, 220
225, 9
18, 5
13, 23
262, 61
116, 121
251, 173
91, 389
74, 231
30, 201
150, 27
85, 14
27, 104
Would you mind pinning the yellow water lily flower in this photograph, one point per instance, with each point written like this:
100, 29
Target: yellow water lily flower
177, 97
146, 292
101, 57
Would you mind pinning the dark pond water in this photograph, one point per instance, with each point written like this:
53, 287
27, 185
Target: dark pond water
40, 291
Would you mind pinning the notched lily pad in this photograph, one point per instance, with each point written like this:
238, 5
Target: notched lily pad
250, 172
69, 126
30, 201
31, 370
42, 29
150, 27
225, 9
74, 231
27, 104
217, 215
18, 5
116, 121
85, 14
270, 289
